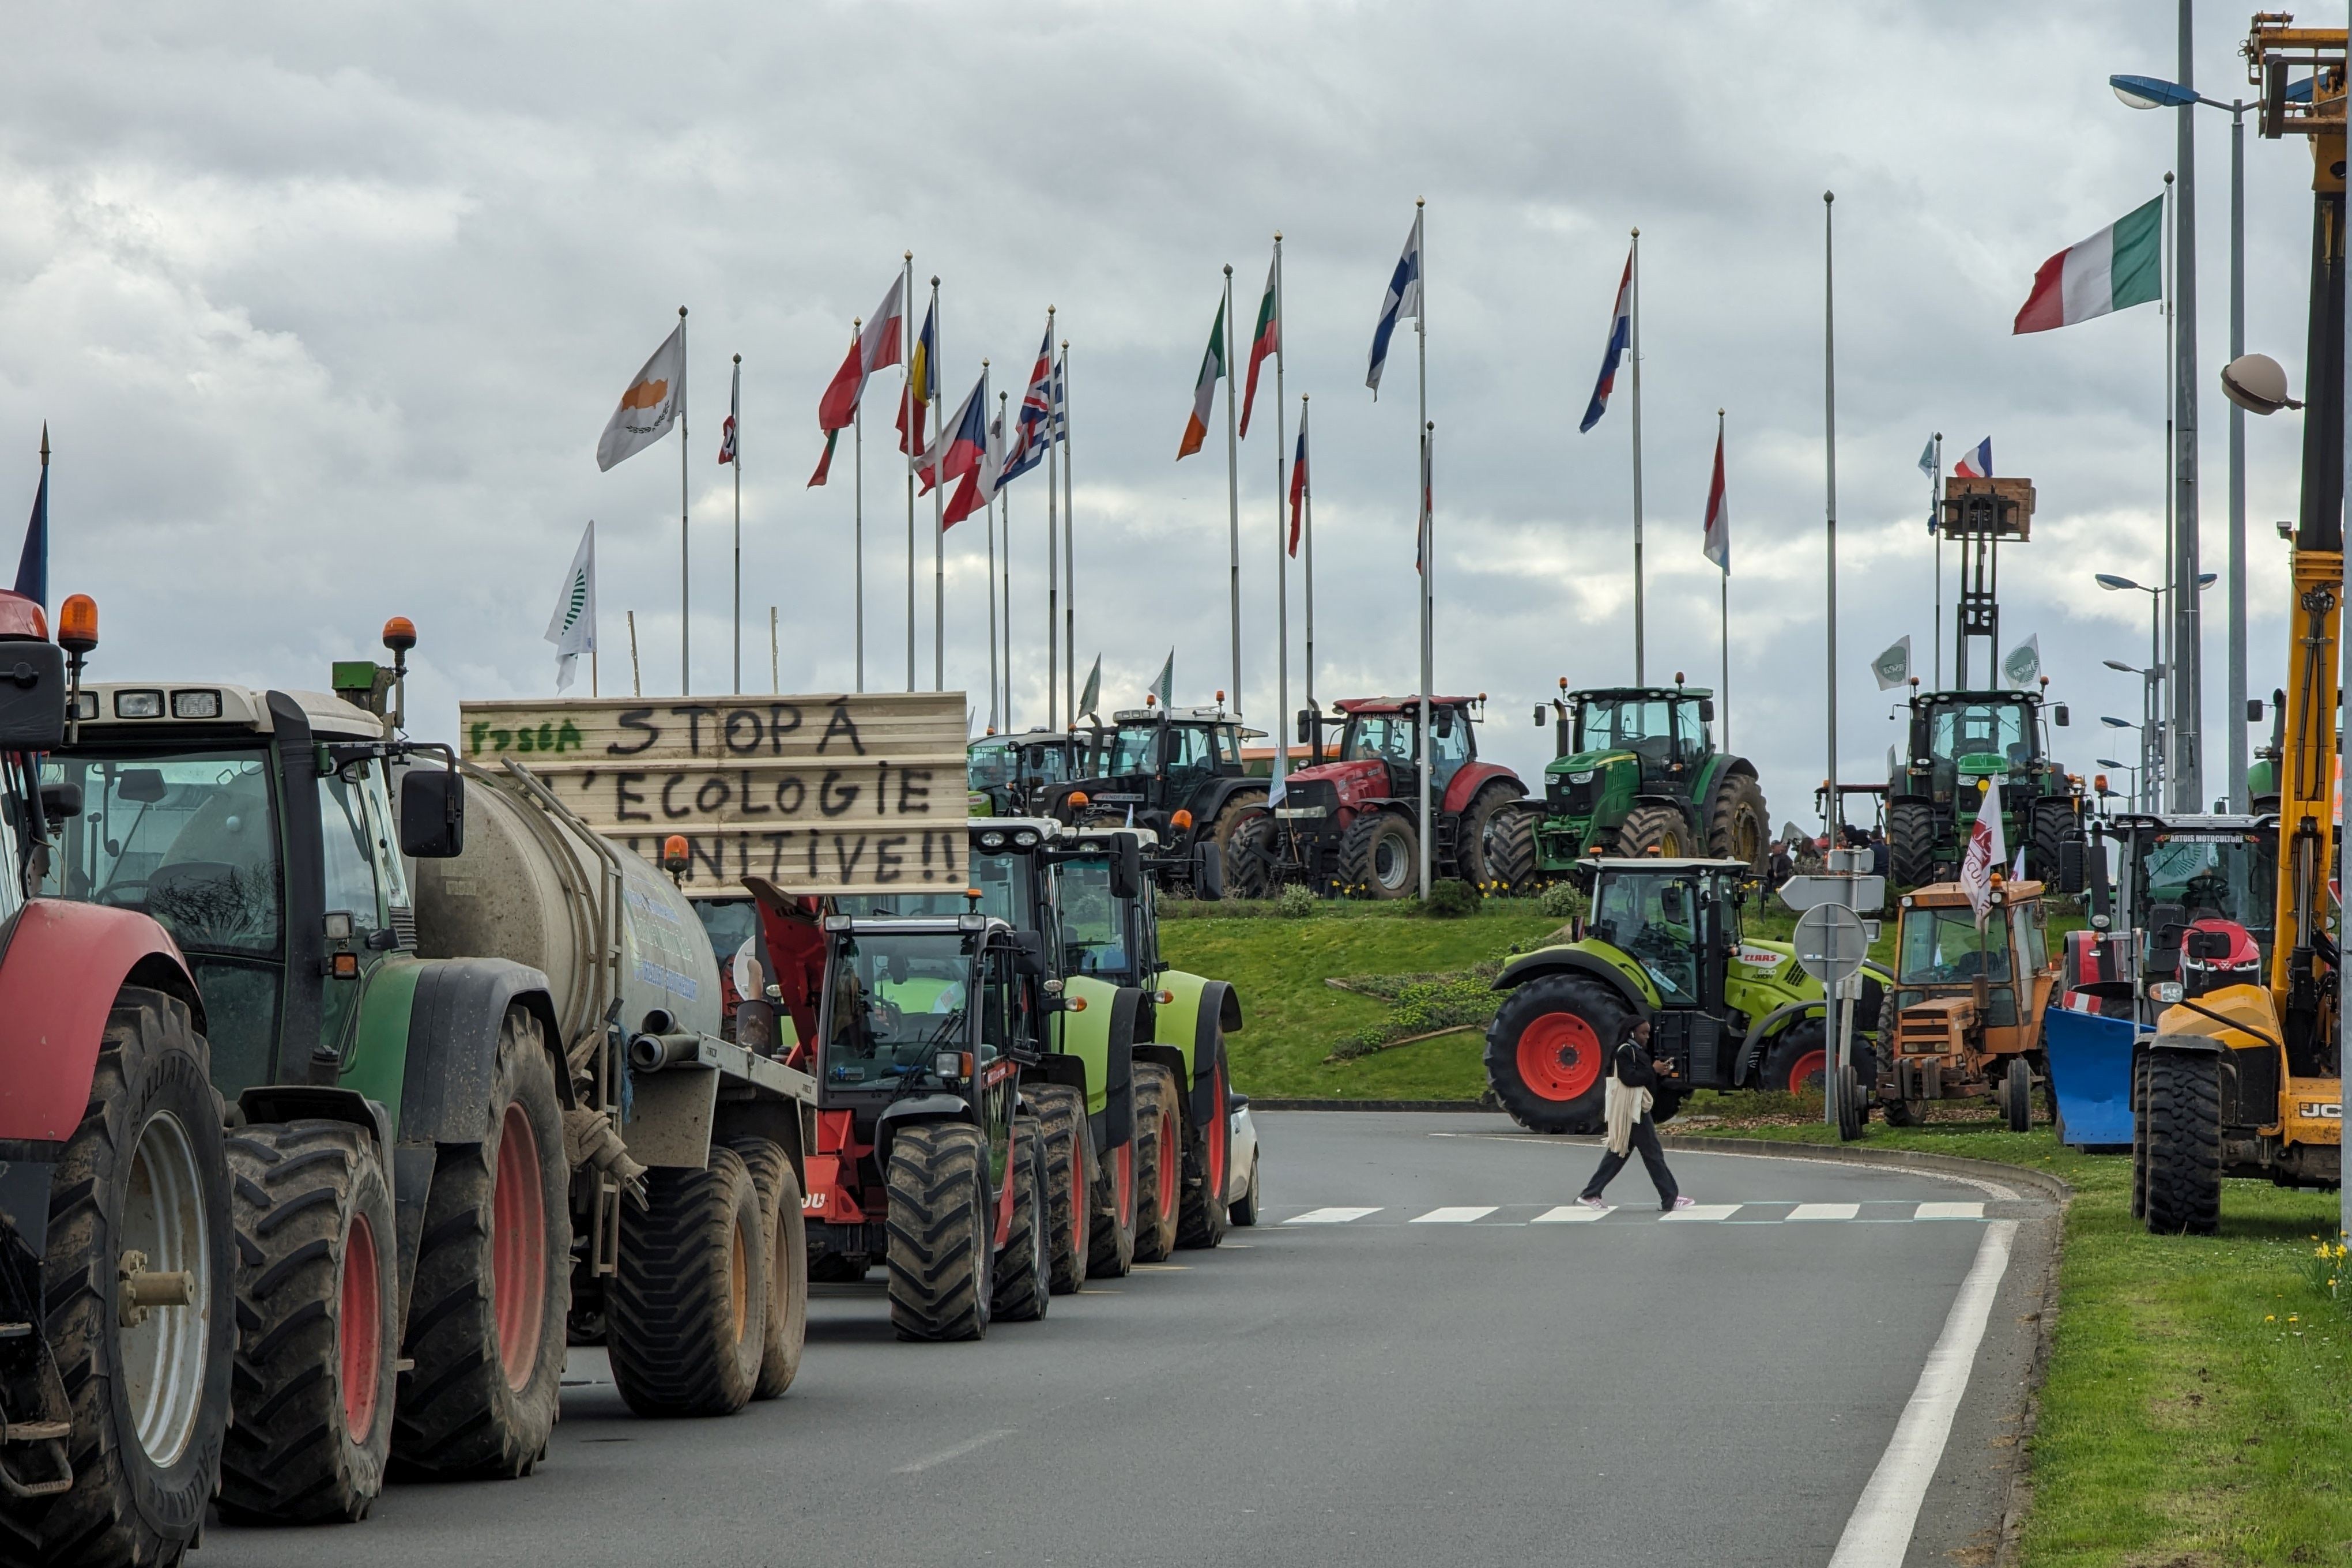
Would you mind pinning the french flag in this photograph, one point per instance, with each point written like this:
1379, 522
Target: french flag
1620, 333
963, 441
1977, 462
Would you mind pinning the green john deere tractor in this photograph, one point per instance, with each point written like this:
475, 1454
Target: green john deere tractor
1963, 744
1637, 774
1663, 942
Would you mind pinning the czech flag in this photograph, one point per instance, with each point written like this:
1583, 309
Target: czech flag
963, 440
1976, 463
1620, 333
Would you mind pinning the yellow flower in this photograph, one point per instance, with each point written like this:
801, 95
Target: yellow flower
2269, 1317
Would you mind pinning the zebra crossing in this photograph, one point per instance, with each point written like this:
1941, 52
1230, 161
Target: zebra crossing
1755, 1212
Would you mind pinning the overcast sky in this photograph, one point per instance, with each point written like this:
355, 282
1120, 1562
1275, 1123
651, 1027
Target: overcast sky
325, 307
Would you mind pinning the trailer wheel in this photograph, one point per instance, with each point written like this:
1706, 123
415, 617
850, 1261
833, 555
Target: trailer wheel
942, 1237
786, 1329
1158, 1162
2017, 1095
142, 1172
1069, 1181
1111, 1250
1548, 1052
319, 1317
486, 1314
688, 1301
1025, 1274
2183, 1112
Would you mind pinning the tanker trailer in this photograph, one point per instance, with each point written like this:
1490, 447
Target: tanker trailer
687, 1150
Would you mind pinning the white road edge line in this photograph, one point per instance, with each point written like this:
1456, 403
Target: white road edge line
958, 1452
1878, 1532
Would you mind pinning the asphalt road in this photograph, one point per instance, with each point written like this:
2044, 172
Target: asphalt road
1443, 1378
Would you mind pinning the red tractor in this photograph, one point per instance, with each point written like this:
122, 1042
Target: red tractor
116, 1328
1353, 825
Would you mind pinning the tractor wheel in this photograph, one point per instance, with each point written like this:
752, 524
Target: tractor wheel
2017, 1102
2139, 1136
493, 1282
689, 1300
1025, 1273
1158, 1162
1548, 1052
1904, 1112
2052, 824
839, 1268
319, 1317
1202, 1219
1223, 828
786, 1326
1739, 828
1799, 1058
1252, 867
1110, 1249
1510, 850
942, 1236
1660, 830
142, 1172
1069, 1181
1911, 842
2183, 1112
1380, 856
1489, 810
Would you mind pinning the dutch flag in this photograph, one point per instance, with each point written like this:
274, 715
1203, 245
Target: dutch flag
1620, 333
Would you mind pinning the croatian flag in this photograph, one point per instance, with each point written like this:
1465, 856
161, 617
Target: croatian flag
1403, 300
1620, 333
1976, 463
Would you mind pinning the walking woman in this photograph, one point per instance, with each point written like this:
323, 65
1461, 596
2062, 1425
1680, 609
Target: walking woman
1626, 1105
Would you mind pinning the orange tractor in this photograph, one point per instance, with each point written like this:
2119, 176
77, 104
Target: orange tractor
1963, 1018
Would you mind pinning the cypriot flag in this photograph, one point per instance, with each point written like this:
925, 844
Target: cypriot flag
572, 627
650, 406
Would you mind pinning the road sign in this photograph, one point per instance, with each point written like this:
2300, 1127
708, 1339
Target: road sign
1853, 893
1830, 943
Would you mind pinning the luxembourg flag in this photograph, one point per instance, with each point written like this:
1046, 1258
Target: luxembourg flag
2120, 265
1620, 333
1976, 463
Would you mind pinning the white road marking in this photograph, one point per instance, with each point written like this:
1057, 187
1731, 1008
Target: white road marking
1329, 1216
1454, 1216
1580, 1145
1825, 1210
958, 1452
1951, 1211
1571, 1214
1878, 1533
1703, 1212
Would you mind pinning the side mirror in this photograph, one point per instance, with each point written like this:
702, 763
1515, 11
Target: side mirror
2058, 716
60, 802
1126, 866
1538, 715
1208, 871
1028, 955
2253, 710
1442, 722
1706, 710
2070, 857
1306, 726
32, 696
433, 814
2207, 946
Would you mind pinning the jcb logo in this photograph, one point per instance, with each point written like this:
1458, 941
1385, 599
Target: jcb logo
2321, 1110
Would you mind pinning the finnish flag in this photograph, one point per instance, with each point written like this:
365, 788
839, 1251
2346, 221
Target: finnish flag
1403, 300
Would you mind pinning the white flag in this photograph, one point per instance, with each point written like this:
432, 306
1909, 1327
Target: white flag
1892, 667
1986, 851
572, 627
650, 406
2024, 663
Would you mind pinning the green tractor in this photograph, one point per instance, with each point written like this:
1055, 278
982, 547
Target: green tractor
1664, 942
1178, 775
1637, 774
1962, 744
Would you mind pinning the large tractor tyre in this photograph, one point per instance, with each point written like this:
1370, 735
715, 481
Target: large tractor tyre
1739, 828
1158, 1162
942, 1232
786, 1326
1904, 1112
1253, 864
141, 1174
1069, 1181
839, 1268
1548, 1052
1491, 806
1912, 841
2139, 1137
1510, 849
1110, 1245
1239, 810
2183, 1112
2017, 1099
1202, 1219
493, 1288
1380, 857
2052, 824
1660, 830
1798, 1062
1025, 1271
689, 1296
318, 1320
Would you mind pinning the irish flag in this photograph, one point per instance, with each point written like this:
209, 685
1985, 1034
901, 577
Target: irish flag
1205, 391
2119, 266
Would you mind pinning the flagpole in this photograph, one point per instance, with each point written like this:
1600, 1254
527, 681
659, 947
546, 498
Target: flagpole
1636, 347
1306, 495
775, 681
907, 328
592, 687
1832, 1082
737, 466
685, 617
1233, 486
938, 521
857, 491
1005, 524
994, 674
1936, 527
1060, 419
1281, 549
1427, 524
2169, 712
1726, 587
637, 679
1053, 556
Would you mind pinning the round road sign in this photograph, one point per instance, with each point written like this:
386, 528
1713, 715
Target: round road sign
1830, 943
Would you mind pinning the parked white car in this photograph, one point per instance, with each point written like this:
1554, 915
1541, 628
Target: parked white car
1240, 1168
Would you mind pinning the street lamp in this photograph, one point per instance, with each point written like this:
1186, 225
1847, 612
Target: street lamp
2133, 793
2151, 742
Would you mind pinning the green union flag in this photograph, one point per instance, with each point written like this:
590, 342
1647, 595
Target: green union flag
572, 627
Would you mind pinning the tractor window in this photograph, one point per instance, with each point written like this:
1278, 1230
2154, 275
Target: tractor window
2233, 875
188, 839
1382, 738
1690, 731
1654, 917
1131, 749
1044, 764
2000, 732
1943, 947
350, 868
2032, 938
895, 1000
1094, 924
1004, 886
990, 763
1643, 726
1449, 748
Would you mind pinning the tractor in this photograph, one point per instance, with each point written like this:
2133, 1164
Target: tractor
1963, 1018
2173, 875
1963, 744
1353, 825
1663, 942
1637, 773
1010, 774
117, 1321
1178, 776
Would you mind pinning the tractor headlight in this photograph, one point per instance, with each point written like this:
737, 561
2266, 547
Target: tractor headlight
2164, 991
1584, 777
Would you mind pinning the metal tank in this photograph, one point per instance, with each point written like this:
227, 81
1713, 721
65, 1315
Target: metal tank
537, 886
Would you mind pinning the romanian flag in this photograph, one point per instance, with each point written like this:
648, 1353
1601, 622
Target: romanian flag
1205, 391
1267, 342
922, 385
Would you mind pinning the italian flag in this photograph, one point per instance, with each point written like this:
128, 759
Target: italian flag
2121, 265
1205, 391
1265, 343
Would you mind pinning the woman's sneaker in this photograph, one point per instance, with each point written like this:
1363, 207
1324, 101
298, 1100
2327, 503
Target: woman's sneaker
1682, 1203
1593, 1203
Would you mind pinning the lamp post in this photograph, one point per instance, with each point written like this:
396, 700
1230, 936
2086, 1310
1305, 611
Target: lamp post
2123, 768
2151, 760
2163, 719
2151, 723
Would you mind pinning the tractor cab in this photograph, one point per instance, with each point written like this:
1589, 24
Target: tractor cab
1659, 736
1379, 754
1635, 772
1178, 775
1008, 774
1959, 737
2195, 903
1968, 996
1962, 745
1668, 916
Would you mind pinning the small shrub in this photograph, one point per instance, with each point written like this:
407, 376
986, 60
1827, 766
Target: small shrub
1295, 903
1450, 898
1564, 902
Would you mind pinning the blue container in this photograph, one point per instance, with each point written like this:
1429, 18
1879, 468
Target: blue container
2090, 1061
